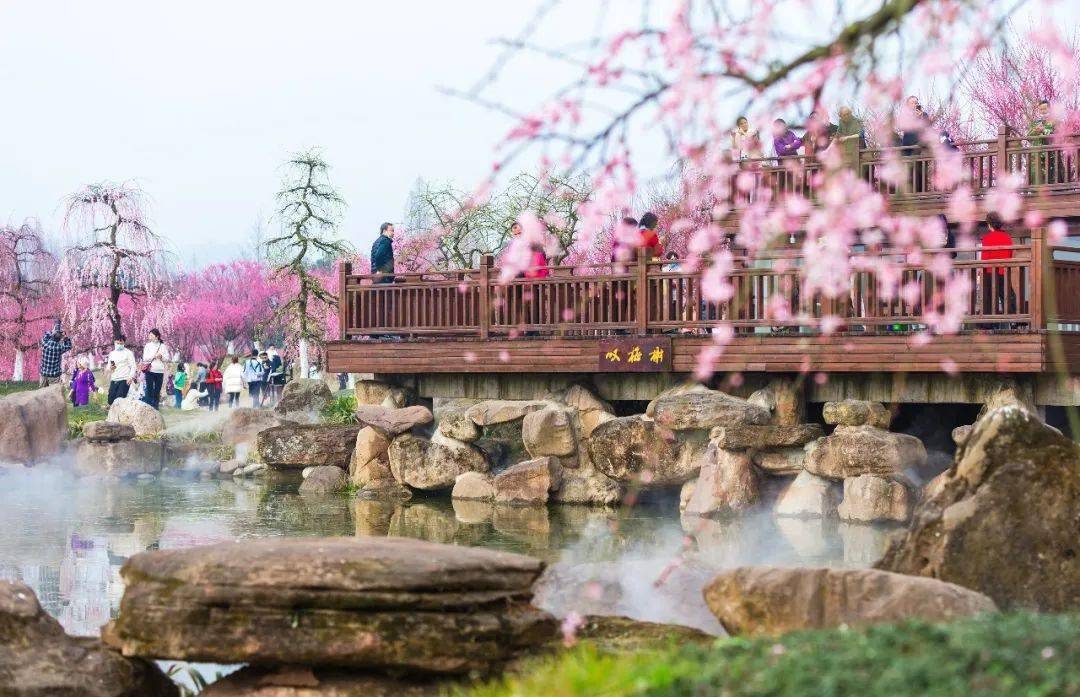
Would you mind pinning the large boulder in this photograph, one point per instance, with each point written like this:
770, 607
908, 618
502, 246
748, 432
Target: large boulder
369, 462
107, 432
354, 602
592, 411
33, 424
809, 496
146, 420
473, 486
302, 399
727, 484
585, 484
497, 411
393, 422
634, 448
769, 436
1005, 520
324, 479
454, 422
549, 431
449, 453
38, 659
244, 424
856, 450
296, 446
870, 499
763, 600
677, 390
697, 410
407, 456
527, 483
856, 412
128, 458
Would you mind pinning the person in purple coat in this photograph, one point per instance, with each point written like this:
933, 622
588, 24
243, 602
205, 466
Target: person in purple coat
785, 142
82, 384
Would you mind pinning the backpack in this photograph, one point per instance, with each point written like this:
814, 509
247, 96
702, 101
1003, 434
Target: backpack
253, 371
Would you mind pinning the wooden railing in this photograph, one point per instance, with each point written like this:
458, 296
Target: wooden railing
1050, 168
769, 296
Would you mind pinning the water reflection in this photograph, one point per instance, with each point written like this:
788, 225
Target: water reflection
67, 538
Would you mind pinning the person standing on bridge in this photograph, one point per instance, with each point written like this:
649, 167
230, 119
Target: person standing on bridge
382, 265
649, 240
995, 280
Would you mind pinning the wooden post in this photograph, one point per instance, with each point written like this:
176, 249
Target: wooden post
1002, 153
1038, 278
485, 295
344, 270
642, 292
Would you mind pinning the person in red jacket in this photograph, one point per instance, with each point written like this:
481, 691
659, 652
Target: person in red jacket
213, 386
650, 241
993, 290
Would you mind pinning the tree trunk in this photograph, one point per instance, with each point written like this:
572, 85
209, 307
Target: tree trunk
304, 358
17, 369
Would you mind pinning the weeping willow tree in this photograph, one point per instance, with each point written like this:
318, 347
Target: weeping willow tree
309, 213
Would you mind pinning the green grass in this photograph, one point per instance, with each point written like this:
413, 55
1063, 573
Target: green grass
78, 417
1015, 655
8, 387
341, 410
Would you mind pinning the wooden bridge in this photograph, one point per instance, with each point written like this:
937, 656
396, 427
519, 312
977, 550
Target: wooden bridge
1021, 316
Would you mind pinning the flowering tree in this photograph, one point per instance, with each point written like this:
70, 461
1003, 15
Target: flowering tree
222, 307
677, 81
1005, 86
115, 273
27, 303
309, 212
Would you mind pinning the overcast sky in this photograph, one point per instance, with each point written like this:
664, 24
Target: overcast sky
200, 102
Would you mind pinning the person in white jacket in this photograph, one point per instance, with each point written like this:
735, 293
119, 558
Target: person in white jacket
232, 381
122, 363
191, 399
155, 353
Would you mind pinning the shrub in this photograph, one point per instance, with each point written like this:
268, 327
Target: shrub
1031, 655
341, 410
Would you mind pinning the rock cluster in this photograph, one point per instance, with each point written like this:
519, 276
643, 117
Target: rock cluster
1004, 519
38, 658
385, 604
33, 425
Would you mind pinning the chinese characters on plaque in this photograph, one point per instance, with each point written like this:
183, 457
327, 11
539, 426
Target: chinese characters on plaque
644, 354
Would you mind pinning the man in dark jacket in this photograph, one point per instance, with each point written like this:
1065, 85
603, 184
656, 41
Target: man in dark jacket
382, 254
53, 347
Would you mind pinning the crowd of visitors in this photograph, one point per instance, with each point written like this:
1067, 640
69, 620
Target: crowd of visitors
262, 375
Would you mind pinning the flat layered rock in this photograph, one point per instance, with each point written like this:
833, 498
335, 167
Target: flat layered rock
126, 458
763, 600
393, 422
704, 410
497, 411
296, 446
37, 659
367, 602
33, 424
852, 451
783, 461
107, 432
766, 436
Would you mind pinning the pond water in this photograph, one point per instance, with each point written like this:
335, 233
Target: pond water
67, 539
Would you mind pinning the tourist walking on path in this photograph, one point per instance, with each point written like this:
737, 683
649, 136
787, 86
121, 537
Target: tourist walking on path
253, 377
180, 382
82, 384
213, 386
155, 353
53, 347
233, 381
277, 374
123, 369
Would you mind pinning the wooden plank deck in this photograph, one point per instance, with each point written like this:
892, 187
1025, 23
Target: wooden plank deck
1004, 351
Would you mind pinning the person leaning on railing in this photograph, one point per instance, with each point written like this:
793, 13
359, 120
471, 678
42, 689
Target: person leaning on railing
1043, 167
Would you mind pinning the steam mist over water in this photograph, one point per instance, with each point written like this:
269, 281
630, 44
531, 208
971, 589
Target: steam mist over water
68, 537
